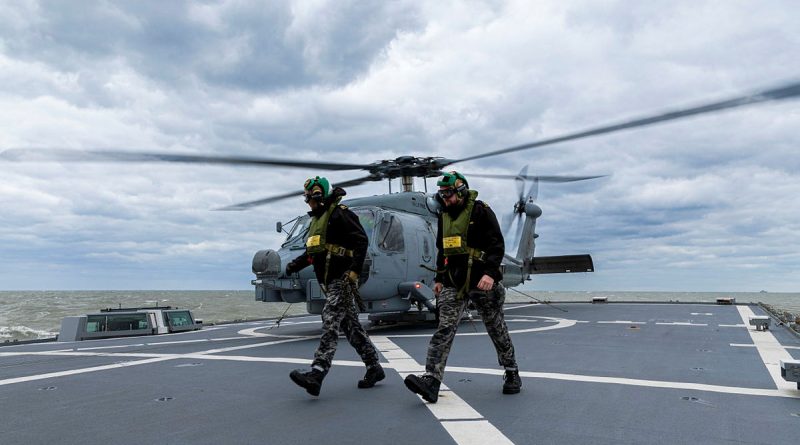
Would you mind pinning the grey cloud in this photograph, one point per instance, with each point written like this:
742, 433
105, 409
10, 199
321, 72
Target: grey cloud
254, 47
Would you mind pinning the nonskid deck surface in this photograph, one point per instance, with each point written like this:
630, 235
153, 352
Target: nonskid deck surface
603, 373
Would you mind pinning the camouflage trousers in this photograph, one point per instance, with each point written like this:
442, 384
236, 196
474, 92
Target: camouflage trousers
340, 312
451, 309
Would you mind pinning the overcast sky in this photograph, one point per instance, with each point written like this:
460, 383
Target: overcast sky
709, 203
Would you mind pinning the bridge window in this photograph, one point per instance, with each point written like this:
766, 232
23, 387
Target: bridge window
178, 318
390, 234
116, 322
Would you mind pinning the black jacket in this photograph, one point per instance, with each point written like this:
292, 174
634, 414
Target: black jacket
344, 229
483, 234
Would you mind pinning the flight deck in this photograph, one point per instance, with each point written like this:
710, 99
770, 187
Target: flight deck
592, 373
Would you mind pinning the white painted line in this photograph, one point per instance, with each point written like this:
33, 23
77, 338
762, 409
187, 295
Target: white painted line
471, 428
151, 358
559, 324
747, 345
522, 306
257, 345
81, 371
472, 432
252, 333
622, 322
681, 323
177, 342
789, 393
702, 313
769, 349
452, 407
108, 347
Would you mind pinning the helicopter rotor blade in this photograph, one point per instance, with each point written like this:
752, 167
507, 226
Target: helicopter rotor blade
533, 192
520, 180
67, 155
783, 92
258, 202
557, 178
508, 220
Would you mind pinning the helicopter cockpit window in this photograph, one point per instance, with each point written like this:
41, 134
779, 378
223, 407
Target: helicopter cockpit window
367, 219
390, 234
297, 233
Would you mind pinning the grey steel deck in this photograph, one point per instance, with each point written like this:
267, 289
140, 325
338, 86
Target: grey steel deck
600, 374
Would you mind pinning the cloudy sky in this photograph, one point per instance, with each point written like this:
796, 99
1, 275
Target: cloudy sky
708, 203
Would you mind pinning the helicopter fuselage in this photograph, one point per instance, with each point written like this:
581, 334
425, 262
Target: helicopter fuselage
400, 264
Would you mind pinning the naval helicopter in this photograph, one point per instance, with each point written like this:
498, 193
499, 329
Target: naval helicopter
397, 275
396, 280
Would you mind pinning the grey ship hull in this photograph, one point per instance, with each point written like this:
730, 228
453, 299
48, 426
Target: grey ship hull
600, 374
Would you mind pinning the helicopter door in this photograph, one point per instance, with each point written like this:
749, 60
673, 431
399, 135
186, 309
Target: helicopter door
426, 243
390, 259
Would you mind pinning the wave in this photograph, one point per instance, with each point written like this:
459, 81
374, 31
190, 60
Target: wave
24, 333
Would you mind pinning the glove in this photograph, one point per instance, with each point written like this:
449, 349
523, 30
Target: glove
293, 267
351, 276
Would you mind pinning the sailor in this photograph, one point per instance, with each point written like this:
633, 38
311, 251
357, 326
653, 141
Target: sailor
336, 246
470, 250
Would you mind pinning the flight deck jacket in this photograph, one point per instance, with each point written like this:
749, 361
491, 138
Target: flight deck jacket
484, 235
344, 230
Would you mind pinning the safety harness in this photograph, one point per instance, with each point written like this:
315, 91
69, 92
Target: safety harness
454, 239
316, 241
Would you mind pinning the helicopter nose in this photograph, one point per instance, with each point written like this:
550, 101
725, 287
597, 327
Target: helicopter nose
266, 263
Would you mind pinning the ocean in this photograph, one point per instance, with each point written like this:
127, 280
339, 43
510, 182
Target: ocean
29, 315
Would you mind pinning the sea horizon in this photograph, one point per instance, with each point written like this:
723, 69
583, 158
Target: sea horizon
37, 314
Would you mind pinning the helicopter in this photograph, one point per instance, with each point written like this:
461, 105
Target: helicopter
399, 268
397, 278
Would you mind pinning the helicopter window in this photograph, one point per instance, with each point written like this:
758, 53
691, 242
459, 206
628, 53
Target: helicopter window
298, 231
367, 219
390, 234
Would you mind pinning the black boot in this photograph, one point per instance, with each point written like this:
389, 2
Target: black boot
513, 383
311, 380
374, 375
426, 386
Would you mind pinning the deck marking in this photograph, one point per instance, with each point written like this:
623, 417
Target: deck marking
748, 345
559, 324
732, 325
251, 332
464, 424
681, 323
701, 313
789, 393
151, 358
769, 349
82, 370
622, 322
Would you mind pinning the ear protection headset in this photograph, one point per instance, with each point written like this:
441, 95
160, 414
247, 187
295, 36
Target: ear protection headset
317, 181
450, 179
